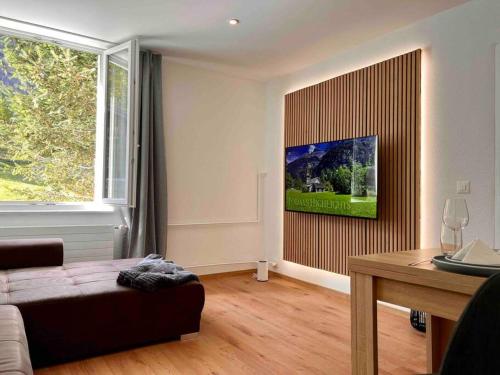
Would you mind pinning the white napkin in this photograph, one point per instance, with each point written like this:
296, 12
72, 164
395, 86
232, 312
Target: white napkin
477, 252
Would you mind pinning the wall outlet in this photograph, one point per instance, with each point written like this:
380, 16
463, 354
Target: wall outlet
463, 187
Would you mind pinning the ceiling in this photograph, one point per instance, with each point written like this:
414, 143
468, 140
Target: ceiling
275, 37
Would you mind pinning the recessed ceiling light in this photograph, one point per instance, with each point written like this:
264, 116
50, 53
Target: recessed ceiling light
234, 21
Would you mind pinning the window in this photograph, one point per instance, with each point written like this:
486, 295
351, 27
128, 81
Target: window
120, 122
67, 122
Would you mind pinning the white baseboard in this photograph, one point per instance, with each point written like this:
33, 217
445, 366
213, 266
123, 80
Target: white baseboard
397, 307
330, 280
326, 279
208, 269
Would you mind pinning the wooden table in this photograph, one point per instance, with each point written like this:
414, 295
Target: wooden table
390, 278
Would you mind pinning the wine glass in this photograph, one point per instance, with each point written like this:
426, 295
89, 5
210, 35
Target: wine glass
448, 246
456, 217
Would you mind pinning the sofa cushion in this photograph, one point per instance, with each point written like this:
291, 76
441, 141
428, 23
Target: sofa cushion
14, 353
25, 285
34, 252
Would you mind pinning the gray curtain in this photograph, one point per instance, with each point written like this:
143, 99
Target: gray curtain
147, 221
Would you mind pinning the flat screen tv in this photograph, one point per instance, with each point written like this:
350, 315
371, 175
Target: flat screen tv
333, 178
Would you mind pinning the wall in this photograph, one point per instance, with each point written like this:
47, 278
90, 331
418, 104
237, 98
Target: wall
214, 131
457, 121
497, 146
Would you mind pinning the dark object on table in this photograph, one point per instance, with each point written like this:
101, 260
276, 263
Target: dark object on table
417, 320
474, 346
447, 264
77, 310
153, 273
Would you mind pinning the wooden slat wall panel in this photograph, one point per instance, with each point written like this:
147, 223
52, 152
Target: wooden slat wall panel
302, 116
342, 115
383, 99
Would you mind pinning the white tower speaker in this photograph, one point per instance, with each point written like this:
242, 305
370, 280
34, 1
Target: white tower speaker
262, 274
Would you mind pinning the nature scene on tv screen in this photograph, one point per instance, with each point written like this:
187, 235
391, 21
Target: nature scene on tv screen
335, 178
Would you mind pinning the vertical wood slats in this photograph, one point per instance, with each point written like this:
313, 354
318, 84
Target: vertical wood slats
302, 115
383, 100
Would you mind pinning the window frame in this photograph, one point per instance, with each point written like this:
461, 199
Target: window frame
97, 47
132, 123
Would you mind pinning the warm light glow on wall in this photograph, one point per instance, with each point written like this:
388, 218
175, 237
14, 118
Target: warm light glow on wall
351, 61
424, 155
313, 77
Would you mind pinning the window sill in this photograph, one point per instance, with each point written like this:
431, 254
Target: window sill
54, 208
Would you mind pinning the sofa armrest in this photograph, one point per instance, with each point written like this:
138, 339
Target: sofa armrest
26, 253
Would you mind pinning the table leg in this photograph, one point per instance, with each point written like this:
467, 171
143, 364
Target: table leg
364, 359
438, 333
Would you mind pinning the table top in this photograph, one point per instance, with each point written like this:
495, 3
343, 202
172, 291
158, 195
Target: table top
401, 266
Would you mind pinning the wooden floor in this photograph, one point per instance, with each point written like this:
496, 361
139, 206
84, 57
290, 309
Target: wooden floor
279, 327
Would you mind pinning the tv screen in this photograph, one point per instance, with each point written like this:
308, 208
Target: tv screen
333, 178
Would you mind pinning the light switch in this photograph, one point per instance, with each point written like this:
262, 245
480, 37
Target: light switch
463, 187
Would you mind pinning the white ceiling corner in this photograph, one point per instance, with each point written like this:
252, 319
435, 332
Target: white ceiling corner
274, 38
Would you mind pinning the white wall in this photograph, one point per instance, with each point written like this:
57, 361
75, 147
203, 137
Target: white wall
497, 146
214, 132
457, 121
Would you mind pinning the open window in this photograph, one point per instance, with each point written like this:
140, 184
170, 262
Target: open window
118, 107
48, 97
68, 121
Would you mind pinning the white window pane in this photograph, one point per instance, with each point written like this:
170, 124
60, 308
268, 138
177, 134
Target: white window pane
120, 71
116, 127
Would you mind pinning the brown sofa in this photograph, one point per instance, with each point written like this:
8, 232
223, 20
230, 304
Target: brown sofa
14, 354
78, 310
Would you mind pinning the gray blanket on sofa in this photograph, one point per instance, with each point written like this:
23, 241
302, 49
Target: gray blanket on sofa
153, 273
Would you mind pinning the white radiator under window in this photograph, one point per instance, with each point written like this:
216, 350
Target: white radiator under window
81, 242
